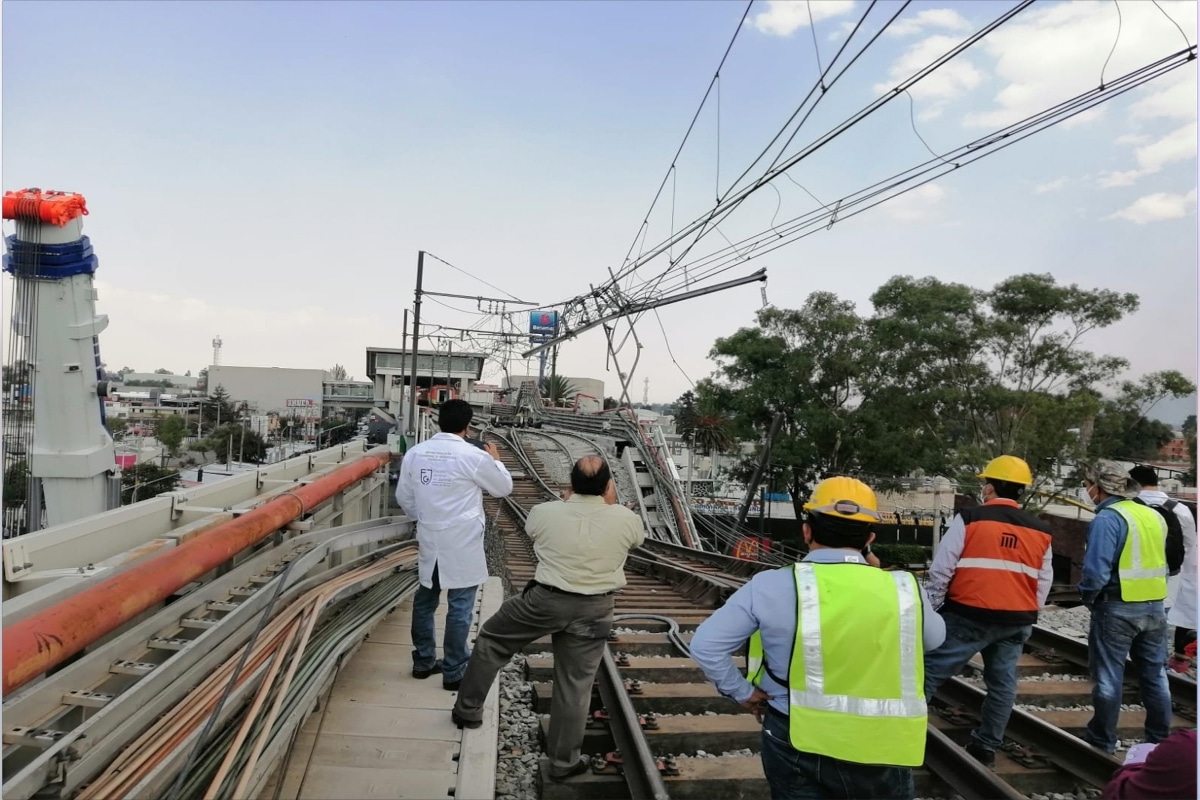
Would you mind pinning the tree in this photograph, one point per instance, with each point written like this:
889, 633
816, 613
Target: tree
171, 432
161, 371
940, 378
219, 406
145, 480
123, 371
336, 373
187, 374
557, 390
17, 373
117, 425
685, 414
1122, 430
202, 380
247, 445
610, 402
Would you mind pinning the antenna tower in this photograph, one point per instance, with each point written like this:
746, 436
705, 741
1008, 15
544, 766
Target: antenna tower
216, 343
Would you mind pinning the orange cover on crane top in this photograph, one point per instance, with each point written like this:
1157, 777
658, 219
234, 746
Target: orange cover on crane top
56, 208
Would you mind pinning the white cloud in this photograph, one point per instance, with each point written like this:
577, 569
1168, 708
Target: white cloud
1047, 55
946, 18
841, 31
921, 203
1178, 145
784, 17
1172, 97
1050, 186
1133, 138
1158, 206
949, 81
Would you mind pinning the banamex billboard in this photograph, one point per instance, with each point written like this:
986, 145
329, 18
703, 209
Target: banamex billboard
543, 324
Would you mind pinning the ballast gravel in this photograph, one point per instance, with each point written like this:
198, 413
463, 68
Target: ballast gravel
517, 745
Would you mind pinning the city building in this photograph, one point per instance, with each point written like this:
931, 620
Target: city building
269, 389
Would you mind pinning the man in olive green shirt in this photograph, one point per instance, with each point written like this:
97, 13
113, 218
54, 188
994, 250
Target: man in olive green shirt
581, 545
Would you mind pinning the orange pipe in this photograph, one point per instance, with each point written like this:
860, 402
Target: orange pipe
46, 639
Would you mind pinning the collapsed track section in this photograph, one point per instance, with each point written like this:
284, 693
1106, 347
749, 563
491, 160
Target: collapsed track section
703, 746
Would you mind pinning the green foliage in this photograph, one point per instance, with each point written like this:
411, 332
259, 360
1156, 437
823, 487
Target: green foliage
247, 445
171, 432
148, 384
218, 406
940, 378
336, 373
161, 371
117, 425
557, 390
610, 402
1121, 428
146, 480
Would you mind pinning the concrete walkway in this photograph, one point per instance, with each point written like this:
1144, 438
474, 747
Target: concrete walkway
383, 734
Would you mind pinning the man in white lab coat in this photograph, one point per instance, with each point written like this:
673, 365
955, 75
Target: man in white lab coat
440, 488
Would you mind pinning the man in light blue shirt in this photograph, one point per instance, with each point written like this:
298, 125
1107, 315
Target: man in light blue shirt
836, 529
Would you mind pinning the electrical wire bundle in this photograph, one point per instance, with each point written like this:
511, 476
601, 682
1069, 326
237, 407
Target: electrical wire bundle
279, 665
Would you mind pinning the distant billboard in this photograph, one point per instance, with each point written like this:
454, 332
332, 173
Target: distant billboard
543, 324
301, 403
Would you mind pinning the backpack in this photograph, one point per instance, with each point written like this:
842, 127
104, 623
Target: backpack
1174, 533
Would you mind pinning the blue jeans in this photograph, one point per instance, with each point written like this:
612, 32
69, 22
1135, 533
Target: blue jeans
1001, 646
794, 775
460, 606
1139, 631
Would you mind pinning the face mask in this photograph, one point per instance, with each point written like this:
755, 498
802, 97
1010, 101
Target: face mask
1085, 497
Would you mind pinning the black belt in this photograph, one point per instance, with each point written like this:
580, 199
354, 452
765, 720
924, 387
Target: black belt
557, 590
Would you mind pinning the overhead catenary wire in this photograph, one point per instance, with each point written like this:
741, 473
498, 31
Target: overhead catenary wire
757, 245
688, 132
730, 203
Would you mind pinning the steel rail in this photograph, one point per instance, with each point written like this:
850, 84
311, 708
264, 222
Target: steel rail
1067, 752
1182, 688
638, 764
955, 767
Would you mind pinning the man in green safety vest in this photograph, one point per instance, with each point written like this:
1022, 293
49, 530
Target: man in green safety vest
835, 672
1124, 583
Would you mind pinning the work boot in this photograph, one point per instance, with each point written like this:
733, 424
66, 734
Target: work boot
580, 767
422, 674
981, 754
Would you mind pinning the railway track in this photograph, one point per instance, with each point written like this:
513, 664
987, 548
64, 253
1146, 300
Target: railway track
702, 746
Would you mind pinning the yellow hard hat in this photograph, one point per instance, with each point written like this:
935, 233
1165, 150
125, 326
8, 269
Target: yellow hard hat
845, 498
1008, 468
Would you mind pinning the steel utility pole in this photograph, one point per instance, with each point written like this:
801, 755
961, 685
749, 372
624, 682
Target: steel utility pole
412, 400
403, 370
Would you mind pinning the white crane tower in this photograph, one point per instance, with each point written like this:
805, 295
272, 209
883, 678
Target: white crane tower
56, 341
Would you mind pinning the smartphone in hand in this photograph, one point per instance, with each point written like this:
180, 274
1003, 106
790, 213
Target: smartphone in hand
477, 442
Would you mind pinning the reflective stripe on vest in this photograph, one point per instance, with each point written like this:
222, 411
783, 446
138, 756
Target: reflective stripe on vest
1000, 564
858, 698
1002, 555
1142, 567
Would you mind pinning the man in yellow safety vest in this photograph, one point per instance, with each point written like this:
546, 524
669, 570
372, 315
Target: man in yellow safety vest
835, 672
1124, 583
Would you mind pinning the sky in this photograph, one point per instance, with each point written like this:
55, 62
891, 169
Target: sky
268, 171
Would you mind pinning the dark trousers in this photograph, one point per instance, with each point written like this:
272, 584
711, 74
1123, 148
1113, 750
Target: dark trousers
794, 775
579, 626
